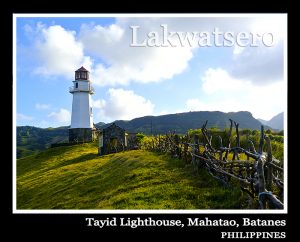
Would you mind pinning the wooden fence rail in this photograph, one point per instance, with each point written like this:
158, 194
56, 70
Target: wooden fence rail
260, 176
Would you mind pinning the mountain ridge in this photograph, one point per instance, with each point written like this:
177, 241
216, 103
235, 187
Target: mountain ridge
182, 122
32, 139
275, 123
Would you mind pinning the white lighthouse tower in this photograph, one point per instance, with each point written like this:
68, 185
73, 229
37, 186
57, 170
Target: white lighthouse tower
82, 126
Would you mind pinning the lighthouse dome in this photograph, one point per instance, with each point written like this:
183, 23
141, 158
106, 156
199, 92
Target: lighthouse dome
82, 74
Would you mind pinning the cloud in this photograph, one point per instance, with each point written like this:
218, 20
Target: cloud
122, 63
63, 116
106, 50
261, 65
59, 52
22, 117
124, 104
39, 106
99, 103
194, 104
222, 92
215, 80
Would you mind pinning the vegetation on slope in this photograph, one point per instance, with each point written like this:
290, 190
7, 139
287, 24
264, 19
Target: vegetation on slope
30, 140
75, 177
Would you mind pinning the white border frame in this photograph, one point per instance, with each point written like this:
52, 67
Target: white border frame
148, 211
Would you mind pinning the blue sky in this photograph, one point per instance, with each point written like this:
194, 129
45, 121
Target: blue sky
136, 81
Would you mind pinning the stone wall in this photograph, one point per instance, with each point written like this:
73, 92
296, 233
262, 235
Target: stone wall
113, 140
81, 135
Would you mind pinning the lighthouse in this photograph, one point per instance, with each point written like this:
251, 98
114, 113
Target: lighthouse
82, 126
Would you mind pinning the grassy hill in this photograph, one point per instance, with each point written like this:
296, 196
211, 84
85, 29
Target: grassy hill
74, 177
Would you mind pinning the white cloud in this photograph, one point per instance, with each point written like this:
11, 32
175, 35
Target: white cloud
261, 64
21, 117
124, 63
276, 24
215, 80
124, 104
100, 103
63, 116
115, 62
39, 106
150, 64
59, 52
237, 50
224, 93
194, 104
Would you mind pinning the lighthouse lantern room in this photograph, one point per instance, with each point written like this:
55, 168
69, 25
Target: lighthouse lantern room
82, 126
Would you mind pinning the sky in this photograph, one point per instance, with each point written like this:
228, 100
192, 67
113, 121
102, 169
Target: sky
150, 65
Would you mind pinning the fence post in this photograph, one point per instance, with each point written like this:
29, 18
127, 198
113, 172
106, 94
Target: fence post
229, 136
185, 148
261, 182
178, 151
236, 153
193, 152
196, 151
261, 140
159, 143
268, 167
153, 143
221, 146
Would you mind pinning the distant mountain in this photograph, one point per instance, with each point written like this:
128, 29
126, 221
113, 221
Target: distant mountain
31, 139
182, 122
275, 123
264, 122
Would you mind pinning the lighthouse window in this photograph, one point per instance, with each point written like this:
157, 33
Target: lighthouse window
76, 85
82, 75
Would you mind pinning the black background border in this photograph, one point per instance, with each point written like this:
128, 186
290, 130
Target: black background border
72, 224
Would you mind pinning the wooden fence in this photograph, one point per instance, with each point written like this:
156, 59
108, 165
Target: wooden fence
260, 175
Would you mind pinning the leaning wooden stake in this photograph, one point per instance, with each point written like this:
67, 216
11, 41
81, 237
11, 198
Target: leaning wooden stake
269, 168
261, 182
261, 140
208, 141
236, 154
229, 136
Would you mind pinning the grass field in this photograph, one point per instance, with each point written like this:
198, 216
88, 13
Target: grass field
75, 177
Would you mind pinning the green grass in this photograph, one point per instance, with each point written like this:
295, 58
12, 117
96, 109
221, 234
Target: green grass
75, 177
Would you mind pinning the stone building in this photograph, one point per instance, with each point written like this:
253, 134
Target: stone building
113, 139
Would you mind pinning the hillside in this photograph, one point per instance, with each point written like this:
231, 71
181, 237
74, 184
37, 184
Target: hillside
182, 122
31, 139
275, 123
74, 177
